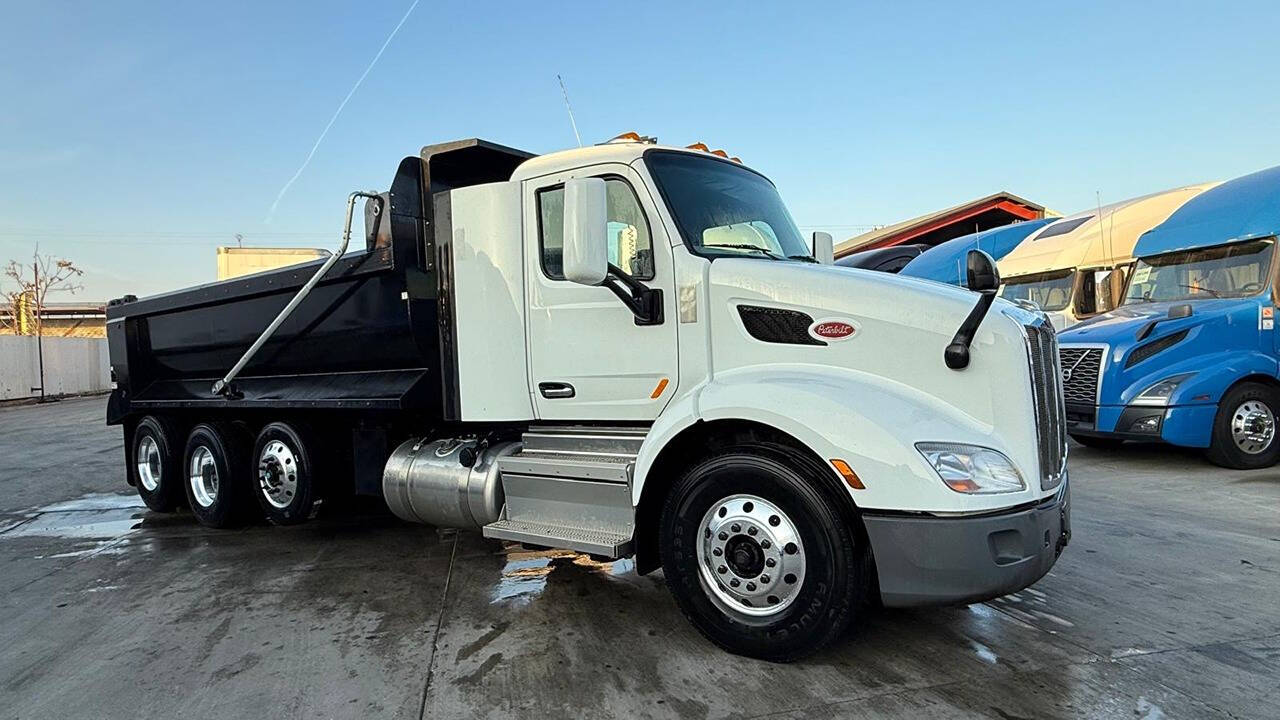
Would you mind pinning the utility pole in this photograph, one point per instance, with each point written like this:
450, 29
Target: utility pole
35, 267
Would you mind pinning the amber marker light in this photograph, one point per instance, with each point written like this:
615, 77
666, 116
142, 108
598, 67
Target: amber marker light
848, 474
662, 385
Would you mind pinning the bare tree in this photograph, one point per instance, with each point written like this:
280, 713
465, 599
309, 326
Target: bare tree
35, 282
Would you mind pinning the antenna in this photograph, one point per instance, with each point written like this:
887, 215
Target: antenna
569, 107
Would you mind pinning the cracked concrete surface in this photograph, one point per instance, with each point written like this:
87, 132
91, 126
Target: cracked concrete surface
1166, 605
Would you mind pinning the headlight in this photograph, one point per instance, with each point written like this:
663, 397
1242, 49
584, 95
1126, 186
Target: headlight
972, 469
1159, 393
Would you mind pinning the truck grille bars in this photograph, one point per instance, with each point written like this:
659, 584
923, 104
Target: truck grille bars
1081, 367
1051, 434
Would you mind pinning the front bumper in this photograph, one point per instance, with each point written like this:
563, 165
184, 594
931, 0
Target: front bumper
1188, 425
953, 560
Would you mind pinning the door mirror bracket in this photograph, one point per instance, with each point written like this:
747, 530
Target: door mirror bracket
643, 301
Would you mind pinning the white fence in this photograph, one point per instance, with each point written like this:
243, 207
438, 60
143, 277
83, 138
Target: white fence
71, 365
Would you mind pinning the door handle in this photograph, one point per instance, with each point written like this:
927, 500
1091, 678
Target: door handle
555, 390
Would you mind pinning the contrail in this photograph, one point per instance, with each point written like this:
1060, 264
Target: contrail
271, 213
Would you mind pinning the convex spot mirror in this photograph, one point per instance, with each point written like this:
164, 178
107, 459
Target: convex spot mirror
586, 243
980, 272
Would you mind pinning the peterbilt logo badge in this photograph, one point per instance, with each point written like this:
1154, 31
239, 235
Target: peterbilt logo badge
833, 330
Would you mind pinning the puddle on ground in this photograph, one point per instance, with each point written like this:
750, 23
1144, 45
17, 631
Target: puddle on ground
525, 575
94, 523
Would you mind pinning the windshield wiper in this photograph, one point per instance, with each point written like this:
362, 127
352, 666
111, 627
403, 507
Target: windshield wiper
744, 246
1202, 289
804, 258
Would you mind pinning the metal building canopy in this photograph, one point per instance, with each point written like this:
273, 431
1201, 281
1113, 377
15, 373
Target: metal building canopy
1246, 208
937, 227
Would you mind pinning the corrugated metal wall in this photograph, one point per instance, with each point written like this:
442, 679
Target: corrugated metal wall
71, 365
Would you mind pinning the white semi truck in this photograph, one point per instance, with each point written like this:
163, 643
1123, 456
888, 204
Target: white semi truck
626, 350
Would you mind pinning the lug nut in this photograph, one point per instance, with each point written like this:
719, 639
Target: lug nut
735, 582
766, 544
722, 569
717, 552
764, 579
752, 530
723, 536
735, 527
770, 562
751, 587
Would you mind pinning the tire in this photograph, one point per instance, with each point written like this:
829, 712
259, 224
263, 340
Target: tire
810, 595
1247, 408
222, 500
1098, 443
155, 466
284, 480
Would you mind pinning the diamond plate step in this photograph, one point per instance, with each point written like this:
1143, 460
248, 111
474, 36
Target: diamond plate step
595, 542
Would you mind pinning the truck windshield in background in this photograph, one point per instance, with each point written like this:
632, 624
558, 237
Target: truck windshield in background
1049, 291
725, 210
1235, 270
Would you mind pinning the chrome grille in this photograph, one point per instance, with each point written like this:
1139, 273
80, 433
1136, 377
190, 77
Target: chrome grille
1046, 386
1081, 368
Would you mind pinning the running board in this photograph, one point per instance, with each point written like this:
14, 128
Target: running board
570, 487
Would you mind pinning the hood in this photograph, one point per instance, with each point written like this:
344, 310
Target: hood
1121, 326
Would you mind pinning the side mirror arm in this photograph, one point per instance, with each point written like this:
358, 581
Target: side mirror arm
957, 353
643, 301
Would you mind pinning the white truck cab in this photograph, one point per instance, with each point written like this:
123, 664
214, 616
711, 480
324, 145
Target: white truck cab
660, 307
626, 350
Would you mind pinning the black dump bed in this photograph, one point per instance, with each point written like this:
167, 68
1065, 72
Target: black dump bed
366, 337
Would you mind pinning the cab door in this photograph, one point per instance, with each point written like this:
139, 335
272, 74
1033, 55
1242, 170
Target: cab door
588, 359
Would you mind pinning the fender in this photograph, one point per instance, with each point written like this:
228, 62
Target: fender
868, 421
1214, 373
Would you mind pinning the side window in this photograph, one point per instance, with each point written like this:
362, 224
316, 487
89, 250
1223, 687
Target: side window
630, 243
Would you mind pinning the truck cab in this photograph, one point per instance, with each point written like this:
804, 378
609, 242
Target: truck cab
1076, 267
627, 350
1190, 356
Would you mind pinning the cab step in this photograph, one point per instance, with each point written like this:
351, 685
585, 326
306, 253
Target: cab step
593, 542
570, 487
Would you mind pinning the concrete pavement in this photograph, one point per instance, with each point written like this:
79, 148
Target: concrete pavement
1166, 604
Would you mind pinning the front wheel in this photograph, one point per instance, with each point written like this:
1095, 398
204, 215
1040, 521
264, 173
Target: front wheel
1244, 429
757, 555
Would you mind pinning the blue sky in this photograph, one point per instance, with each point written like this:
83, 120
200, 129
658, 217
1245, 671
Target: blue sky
136, 137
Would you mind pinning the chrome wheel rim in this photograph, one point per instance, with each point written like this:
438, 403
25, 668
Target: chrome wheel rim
202, 473
147, 460
1253, 427
278, 474
751, 560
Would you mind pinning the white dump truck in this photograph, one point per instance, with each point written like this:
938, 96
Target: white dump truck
626, 350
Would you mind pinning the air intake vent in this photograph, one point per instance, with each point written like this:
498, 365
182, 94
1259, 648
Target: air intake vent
1142, 352
773, 325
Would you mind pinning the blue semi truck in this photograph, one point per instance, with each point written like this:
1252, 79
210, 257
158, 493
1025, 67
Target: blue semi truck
1191, 355
945, 263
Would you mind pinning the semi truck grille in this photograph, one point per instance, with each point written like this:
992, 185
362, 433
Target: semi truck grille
1081, 367
1046, 385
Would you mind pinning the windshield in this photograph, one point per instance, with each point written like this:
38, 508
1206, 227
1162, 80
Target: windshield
1049, 291
725, 210
1224, 271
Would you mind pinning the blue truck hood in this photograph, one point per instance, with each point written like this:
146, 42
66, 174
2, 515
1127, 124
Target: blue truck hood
1218, 332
